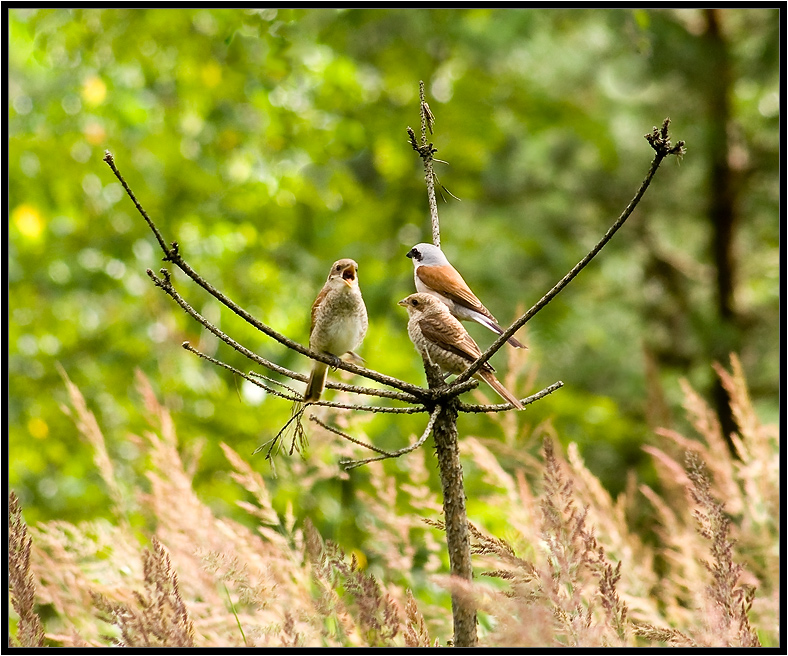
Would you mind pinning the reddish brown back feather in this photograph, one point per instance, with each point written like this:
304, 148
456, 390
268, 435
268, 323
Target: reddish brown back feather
446, 280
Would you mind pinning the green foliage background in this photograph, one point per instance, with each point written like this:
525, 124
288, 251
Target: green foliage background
269, 143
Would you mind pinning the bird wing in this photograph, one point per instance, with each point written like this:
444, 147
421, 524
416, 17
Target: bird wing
446, 280
316, 305
451, 336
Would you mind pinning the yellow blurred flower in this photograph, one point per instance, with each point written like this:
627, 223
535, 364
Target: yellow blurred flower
94, 91
27, 220
38, 428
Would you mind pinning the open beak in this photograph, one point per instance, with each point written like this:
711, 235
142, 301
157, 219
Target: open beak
349, 275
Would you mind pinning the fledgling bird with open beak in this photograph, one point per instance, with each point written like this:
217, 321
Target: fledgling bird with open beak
339, 321
442, 339
434, 274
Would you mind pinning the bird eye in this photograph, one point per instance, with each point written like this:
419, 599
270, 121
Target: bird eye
414, 302
339, 268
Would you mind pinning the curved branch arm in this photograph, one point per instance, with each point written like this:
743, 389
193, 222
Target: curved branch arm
352, 464
165, 284
347, 437
660, 142
296, 397
173, 255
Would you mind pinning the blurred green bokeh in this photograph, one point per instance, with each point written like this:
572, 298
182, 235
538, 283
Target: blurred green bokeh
271, 142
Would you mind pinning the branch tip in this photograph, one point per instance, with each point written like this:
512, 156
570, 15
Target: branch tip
659, 139
428, 115
660, 142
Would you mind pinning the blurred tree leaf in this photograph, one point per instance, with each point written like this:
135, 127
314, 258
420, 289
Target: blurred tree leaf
268, 142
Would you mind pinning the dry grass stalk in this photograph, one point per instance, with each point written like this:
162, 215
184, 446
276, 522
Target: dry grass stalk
88, 427
712, 597
21, 584
645, 596
377, 616
731, 602
270, 586
416, 634
159, 618
561, 567
567, 593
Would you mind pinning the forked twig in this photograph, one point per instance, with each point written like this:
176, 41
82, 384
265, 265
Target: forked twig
352, 464
347, 437
219, 363
273, 381
299, 435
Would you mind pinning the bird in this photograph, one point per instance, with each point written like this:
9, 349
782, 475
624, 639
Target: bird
434, 274
339, 322
440, 338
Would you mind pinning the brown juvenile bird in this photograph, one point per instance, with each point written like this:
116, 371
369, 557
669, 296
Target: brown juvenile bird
441, 338
434, 274
339, 321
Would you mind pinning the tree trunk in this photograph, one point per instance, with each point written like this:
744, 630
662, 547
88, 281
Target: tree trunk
455, 516
722, 207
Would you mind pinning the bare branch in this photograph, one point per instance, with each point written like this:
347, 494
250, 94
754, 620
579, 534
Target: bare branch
446, 438
219, 363
110, 160
296, 396
445, 392
299, 441
660, 142
426, 151
500, 407
352, 464
166, 285
374, 409
350, 438
173, 255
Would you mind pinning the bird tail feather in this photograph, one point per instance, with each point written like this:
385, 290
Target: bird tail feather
504, 393
492, 325
317, 380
